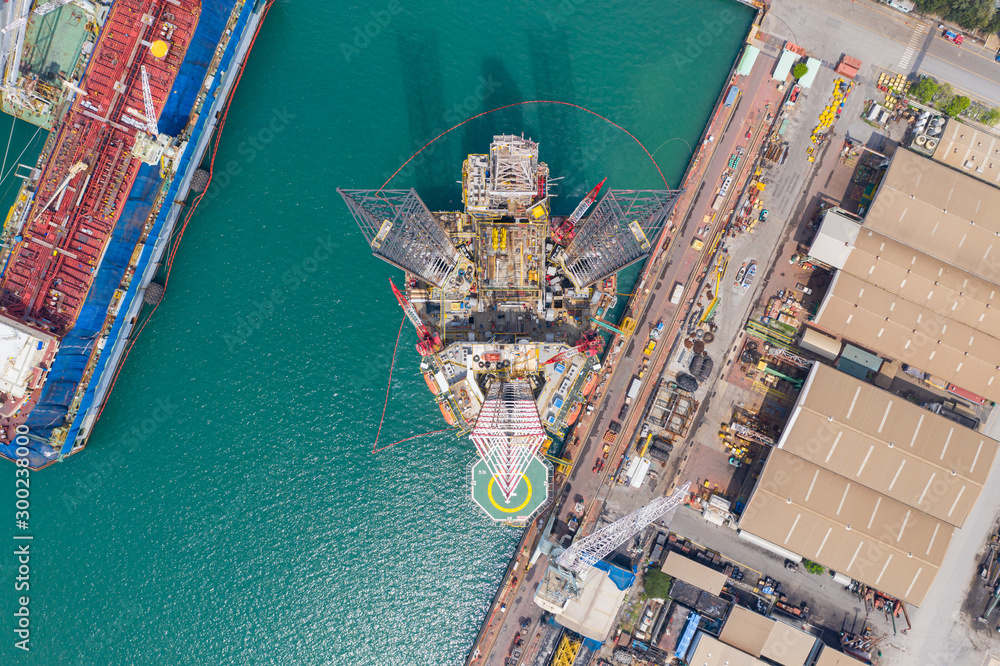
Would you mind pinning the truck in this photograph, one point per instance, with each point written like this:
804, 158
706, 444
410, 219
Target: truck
633, 390
675, 296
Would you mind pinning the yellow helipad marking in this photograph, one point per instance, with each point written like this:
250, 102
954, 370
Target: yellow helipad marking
489, 493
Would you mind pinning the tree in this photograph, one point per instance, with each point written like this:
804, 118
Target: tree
925, 89
957, 105
991, 117
812, 567
656, 584
800, 70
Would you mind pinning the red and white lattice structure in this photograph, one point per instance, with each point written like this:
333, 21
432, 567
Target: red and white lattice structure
508, 432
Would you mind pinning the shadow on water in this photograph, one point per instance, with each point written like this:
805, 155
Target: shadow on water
494, 88
559, 133
431, 173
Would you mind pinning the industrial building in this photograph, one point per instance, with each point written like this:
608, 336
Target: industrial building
868, 484
919, 281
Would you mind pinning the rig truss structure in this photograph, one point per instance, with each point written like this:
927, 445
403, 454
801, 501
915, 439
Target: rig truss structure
402, 231
617, 234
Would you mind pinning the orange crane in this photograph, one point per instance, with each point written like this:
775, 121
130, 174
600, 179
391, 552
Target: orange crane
430, 341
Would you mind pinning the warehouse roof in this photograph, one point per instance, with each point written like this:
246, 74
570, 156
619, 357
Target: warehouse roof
710, 652
694, 573
831, 657
835, 238
939, 211
758, 636
918, 309
868, 484
976, 153
746, 630
885, 443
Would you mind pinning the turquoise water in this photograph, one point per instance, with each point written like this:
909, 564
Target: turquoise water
228, 509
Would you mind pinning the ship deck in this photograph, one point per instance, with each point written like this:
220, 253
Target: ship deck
90, 172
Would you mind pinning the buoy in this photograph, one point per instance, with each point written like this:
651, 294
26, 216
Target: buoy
159, 48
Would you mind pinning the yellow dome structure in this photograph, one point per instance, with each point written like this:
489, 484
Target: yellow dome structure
159, 48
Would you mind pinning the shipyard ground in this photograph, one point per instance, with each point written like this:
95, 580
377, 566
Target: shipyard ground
941, 633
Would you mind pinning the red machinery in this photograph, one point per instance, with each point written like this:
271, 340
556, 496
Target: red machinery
566, 230
430, 342
589, 344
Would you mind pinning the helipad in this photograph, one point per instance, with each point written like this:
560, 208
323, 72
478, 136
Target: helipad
527, 498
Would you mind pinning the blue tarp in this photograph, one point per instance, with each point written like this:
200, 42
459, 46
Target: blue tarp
622, 578
592, 644
76, 347
689, 630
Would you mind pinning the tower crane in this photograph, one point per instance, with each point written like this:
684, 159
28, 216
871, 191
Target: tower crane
591, 549
147, 98
430, 342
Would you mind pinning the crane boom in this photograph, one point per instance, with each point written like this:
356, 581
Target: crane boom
429, 342
585, 204
591, 549
147, 98
50, 6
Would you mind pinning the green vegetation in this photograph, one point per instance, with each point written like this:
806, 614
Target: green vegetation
925, 89
990, 117
941, 97
656, 584
957, 106
800, 70
970, 14
812, 567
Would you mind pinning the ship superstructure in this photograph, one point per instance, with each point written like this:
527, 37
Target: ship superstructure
132, 102
510, 291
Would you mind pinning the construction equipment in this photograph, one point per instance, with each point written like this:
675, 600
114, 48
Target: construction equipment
590, 550
430, 342
147, 99
589, 344
585, 205
50, 6
627, 327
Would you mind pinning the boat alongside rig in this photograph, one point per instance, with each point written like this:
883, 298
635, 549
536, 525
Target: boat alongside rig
132, 91
503, 295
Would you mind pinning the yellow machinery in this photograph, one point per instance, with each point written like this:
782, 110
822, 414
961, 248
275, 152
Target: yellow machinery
628, 326
566, 652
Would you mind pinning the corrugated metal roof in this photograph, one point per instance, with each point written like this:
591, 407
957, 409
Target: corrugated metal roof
784, 65
693, 573
976, 153
810, 76
831, 657
746, 630
868, 484
711, 652
788, 646
747, 61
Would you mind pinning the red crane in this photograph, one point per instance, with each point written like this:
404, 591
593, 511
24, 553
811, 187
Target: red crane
564, 232
430, 342
590, 344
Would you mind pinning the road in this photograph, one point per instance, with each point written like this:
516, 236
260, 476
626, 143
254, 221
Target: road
884, 38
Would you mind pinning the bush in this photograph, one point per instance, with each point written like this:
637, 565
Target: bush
925, 89
800, 70
957, 105
812, 567
656, 584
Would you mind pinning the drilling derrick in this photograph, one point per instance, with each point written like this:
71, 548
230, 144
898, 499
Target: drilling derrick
430, 342
401, 230
618, 233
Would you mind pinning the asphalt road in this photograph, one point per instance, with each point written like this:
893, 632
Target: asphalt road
884, 38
